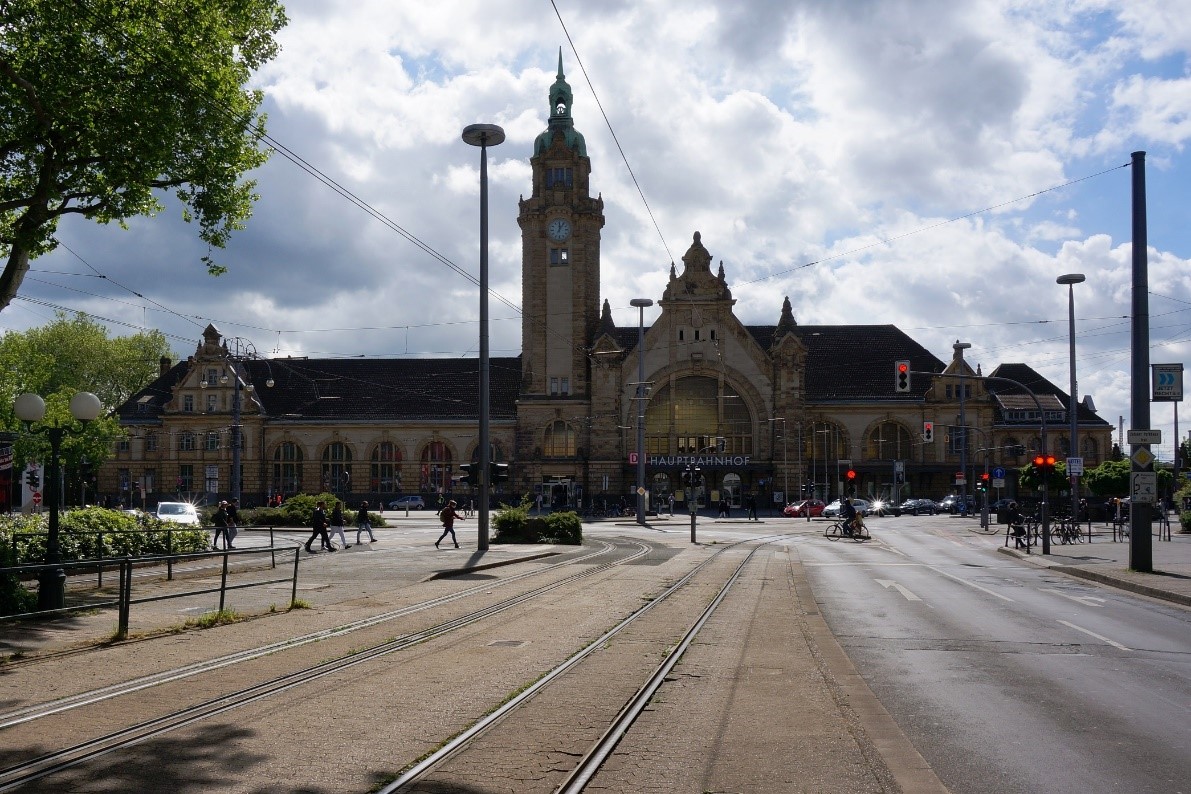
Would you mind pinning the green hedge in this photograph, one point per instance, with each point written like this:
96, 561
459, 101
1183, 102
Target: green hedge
91, 532
298, 510
515, 525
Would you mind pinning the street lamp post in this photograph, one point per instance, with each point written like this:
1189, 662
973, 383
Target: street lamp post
785, 462
641, 304
240, 351
959, 348
484, 135
30, 408
1071, 279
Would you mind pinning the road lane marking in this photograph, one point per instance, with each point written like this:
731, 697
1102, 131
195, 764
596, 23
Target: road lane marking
1097, 636
1086, 600
887, 583
971, 584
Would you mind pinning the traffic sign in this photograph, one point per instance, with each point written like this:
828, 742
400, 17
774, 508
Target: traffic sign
1075, 466
37, 497
1143, 457
1143, 436
999, 473
998, 482
1143, 486
1167, 382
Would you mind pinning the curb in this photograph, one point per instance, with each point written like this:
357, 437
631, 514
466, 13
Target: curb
1102, 578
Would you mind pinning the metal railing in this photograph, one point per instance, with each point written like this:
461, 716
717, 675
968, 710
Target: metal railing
124, 600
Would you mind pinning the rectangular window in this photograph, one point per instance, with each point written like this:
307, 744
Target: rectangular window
122, 445
188, 403
150, 480
125, 478
212, 442
186, 477
211, 479
680, 334
554, 386
212, 403
566, 386
559, 177
949, 391
559, 257
151, 442
186, 442
212, 378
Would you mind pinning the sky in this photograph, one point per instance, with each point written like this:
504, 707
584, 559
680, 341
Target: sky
924, 163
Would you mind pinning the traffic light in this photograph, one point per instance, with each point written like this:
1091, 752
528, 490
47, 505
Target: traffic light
982, 483
1044, 463
33, 478
499, 472
851, 475
472, 470
901, 377
928, 432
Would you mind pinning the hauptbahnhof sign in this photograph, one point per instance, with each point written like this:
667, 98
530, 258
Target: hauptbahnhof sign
708, 461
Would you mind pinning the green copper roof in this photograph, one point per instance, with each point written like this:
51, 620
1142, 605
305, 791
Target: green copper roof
561, 122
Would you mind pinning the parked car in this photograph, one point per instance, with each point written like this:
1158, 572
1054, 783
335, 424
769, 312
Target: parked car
800, 509
918, 507
177, 512
1001, 504
879, 507
408, 503
953, 503
832, 510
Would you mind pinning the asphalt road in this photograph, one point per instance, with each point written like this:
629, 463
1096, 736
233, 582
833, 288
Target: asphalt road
1008, 678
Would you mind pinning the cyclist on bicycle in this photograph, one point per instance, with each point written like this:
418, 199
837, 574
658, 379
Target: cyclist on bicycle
848, 515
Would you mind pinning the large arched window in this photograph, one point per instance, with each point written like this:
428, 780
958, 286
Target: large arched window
436, 467
287, 468
385, 474
694, 416
559, 440
889, 441
1091, 450
336, 468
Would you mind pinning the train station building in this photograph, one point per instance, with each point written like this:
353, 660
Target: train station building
776, 412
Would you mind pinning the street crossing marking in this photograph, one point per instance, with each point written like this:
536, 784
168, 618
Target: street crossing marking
1097, 636
1087, 600
887, 583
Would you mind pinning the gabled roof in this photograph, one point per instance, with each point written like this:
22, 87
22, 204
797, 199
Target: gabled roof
1008, 396
359, 389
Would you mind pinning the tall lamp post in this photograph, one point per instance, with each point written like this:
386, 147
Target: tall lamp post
1071, 279
30, 408
484, 135
239, 350
641, 304
785, 461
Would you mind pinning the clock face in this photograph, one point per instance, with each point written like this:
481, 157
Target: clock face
559, 229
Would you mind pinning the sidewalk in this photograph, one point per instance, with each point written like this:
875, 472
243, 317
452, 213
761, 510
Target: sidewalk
1107, 562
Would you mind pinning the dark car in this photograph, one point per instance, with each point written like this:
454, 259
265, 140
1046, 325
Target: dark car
918, 507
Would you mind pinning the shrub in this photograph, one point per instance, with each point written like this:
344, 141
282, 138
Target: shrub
515, 525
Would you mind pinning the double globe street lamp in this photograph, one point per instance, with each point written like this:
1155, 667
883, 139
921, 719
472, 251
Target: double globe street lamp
30, 408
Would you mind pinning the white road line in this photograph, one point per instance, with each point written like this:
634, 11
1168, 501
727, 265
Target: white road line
1097, 636
1086, 600
971, 584
887, 583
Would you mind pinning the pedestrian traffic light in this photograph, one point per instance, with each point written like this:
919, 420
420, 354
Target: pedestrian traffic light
499, 472
472, 470
928, 432
901, 376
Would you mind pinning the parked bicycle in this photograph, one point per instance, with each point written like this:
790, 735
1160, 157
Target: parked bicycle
1065, 532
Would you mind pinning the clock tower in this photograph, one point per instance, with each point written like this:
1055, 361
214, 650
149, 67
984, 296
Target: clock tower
560, 259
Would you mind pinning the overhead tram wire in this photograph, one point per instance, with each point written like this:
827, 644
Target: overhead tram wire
608, 122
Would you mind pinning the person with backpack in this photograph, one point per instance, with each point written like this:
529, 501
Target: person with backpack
448, 516
220, 522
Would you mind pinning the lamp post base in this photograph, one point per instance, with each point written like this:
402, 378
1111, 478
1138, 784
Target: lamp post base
51, 589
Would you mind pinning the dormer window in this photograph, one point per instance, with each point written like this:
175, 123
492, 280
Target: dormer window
188, 403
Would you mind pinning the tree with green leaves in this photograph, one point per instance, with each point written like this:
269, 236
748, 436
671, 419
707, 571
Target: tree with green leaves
69, 356
105, 103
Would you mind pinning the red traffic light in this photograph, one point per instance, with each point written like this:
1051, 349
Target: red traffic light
903, 367
1050, 461
851, 474
984, 476
1039, 461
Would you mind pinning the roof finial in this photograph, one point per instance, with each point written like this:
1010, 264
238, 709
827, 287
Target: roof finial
560, 74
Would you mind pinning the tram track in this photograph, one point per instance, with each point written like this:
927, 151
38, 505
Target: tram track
18, 716
79, 753
418, 776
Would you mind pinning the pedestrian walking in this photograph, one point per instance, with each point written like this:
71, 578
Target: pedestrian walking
671, 500
220, 522
233, 522
364, 523
318, 523
751, 503
337, 524
723, 513
448, 516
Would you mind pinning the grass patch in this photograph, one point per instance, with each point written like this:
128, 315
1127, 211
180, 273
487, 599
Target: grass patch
221, 617
301, 603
